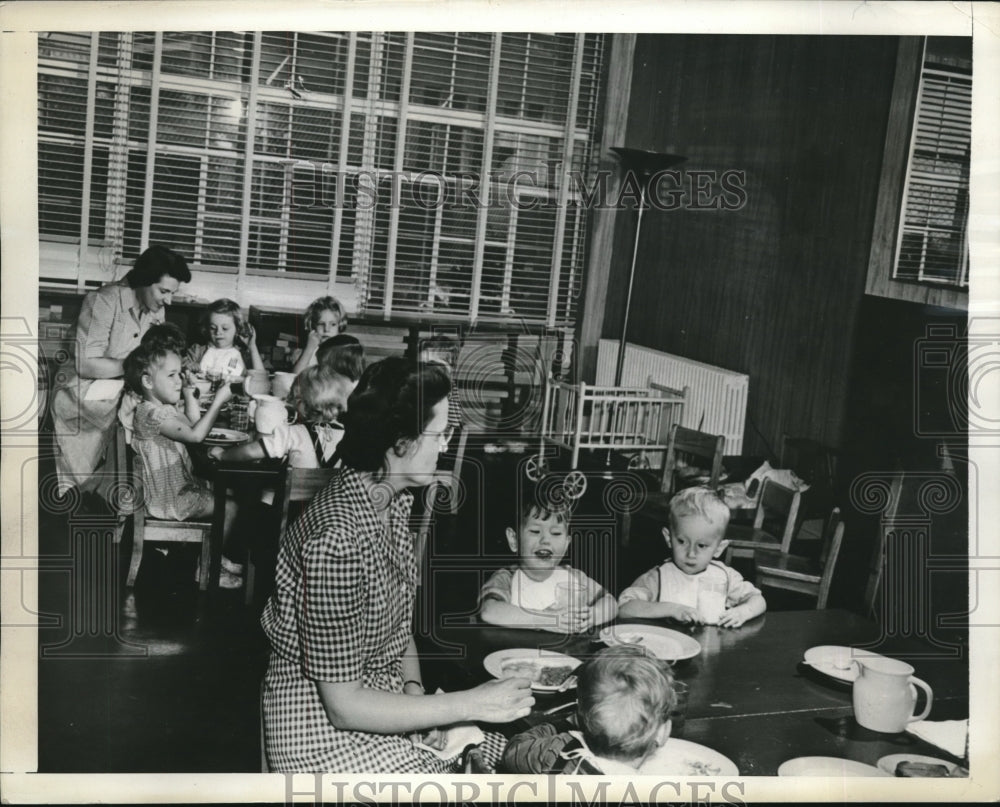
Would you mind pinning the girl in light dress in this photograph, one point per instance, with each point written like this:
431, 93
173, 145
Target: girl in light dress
230, 344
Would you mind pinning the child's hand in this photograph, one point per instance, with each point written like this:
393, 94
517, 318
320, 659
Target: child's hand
732, 618
223, 394
576, 619
251, 335
215, 452
313, 341
432, 738
683, 613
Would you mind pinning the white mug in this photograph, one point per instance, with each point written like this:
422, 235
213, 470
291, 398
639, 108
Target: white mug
281, 385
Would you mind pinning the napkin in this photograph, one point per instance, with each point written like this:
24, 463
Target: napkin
104, 389
458, 737
947, 734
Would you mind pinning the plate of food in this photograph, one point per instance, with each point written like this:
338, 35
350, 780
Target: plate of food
827, 766
917, 766
685, 758
666, 644
225, 437
549, 671
837, 661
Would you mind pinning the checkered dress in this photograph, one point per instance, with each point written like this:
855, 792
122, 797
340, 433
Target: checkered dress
342, 611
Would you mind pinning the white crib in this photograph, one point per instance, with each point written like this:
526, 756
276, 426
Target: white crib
632, 420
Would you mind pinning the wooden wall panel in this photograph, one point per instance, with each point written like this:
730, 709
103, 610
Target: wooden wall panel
772, 289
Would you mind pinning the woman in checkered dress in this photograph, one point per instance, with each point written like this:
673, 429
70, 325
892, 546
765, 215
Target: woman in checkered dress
343, 690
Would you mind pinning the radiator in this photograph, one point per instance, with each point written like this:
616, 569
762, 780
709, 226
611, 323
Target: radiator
718, 397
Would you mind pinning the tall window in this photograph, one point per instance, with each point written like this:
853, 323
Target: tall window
933, 234
440, 172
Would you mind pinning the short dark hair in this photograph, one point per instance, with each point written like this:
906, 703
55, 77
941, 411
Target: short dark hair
343, 354
149, 352
543, 500
389, 409
165, 336
156, 262
624, 697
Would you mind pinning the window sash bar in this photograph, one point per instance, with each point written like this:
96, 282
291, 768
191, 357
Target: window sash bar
561, 192
397, 165
251, 132
154, 112
345, 140
118, 148
88, 158
489, 128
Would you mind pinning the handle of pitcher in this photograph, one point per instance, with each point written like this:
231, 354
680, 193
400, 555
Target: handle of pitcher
916, 682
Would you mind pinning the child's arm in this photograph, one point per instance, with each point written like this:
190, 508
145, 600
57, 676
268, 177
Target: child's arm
256, 363
604, 610
188, 393
245, 452
659, 610
308, 351
508, 615
734, 617
177, 429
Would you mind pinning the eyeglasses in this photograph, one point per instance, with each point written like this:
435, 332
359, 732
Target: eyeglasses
443, 436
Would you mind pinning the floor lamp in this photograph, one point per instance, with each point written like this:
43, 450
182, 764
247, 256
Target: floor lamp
644, 165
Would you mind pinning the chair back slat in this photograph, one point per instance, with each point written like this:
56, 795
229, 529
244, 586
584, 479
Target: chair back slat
829, 552
692, 444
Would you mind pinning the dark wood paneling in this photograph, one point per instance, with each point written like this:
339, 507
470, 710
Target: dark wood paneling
772, 289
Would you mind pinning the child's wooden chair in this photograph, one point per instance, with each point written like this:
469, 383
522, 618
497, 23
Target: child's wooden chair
779, 507
692, 445
156, 530
779, 569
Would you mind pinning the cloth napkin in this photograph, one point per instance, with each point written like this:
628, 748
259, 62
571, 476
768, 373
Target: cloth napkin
947, 734
458, 737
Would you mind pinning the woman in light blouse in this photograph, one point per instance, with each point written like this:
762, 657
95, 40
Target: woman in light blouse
111, 323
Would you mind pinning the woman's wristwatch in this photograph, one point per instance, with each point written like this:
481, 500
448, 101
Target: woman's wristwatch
411, 681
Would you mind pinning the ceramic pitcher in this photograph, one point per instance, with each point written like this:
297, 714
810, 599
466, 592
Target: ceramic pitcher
885, 693
268, 413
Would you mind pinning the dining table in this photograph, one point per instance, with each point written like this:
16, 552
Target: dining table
751, 696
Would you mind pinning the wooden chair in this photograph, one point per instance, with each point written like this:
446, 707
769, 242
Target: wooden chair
155, 530
794, 573
690, 446
778, 506
297, 485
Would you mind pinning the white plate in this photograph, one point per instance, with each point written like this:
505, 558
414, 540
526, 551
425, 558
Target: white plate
837, 661
827, 766
225, 437
889, 763
684, 758
670, 645
495, 663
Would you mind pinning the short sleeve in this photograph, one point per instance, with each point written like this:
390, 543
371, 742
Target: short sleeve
331, 619
738, 590
645, 588
279, 442
497, 587
93, 326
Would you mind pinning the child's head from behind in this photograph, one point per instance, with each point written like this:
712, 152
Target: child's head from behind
342, 354
698, 521
223, 325
153, 371
542, 537
320, 395
624, 701
326, 316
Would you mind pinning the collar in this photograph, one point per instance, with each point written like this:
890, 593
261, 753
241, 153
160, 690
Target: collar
370, 517
130, 302
610, 767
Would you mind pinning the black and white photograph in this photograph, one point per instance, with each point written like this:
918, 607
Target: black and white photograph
579, 405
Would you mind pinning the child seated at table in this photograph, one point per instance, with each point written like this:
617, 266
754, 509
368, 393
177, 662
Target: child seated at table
539, 592
229, 344
343, 354
161, 430
319, 397
624, 700
325, 317
693, 586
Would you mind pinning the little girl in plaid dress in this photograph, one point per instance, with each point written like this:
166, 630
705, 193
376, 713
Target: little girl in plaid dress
343, 690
